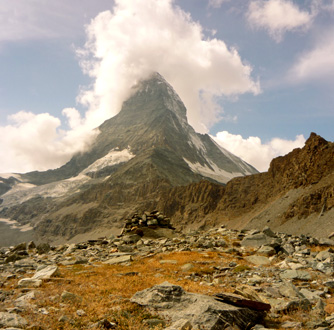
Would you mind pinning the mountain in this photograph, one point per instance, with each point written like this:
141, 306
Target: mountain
295, 196
141, 153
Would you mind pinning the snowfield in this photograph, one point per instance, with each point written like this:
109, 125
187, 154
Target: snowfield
22, 192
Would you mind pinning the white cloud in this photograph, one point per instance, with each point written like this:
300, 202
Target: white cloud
141, 36
253, 151
34, 142
317, 63
124, 46
216, 3
277, 17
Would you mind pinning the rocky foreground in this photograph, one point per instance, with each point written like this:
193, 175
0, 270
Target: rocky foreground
158, 279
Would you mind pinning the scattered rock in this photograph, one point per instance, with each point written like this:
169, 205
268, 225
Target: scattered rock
45, 272
296, 275
119, 259
263, 267
12, 320
258, 260
69, 296
29, 283
256, 240
43, 248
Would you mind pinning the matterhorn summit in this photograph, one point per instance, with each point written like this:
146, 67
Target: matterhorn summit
145, 149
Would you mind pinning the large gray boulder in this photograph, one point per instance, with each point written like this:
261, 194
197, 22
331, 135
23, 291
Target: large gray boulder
259, 239
12, 320
46, 272
200, 311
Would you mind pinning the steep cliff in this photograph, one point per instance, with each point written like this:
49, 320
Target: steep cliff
297, 187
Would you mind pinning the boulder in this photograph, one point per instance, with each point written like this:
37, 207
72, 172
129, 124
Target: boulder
29, 283
12, 320
267, 251
45, 273
200, 311
256, 240
43, 248
20, 247
295, 275
258, 260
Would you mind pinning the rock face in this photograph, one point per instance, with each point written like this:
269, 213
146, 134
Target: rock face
297, 187
200, 311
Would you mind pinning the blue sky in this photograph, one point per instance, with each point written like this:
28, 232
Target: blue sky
258, 75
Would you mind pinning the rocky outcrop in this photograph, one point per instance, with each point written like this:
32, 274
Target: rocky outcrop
297, 187
300, 182
198, 311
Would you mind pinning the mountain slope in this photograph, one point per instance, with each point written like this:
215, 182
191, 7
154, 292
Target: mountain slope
146, 149
154, 118
296, 195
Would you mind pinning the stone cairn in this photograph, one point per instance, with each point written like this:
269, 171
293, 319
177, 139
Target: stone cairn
153, 220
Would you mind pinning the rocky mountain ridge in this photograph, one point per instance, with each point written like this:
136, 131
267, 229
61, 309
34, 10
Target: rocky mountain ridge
296, 195
148, 157
145, 150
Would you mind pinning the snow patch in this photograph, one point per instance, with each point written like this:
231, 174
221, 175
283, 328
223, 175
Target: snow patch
53, 189
15, 225
114, 157
215, 173
22, 192
197, 142
22, 186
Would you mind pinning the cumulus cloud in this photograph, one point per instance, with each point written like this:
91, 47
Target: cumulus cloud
124, 46
277, 17
142, 36
254, 151
315, 64
35, 142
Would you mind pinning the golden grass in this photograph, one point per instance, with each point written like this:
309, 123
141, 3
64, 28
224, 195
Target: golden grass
106, 289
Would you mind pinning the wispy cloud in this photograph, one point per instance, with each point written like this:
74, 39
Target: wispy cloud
278, 17
317, 63
38, 19
254, 151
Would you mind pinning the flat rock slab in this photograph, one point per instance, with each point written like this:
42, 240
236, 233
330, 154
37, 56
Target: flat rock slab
29, 283
119, 259
296, 275
257, 240
12, 320
258, 260
201, 311
46, 273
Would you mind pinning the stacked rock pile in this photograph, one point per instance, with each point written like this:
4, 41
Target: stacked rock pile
152, 219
